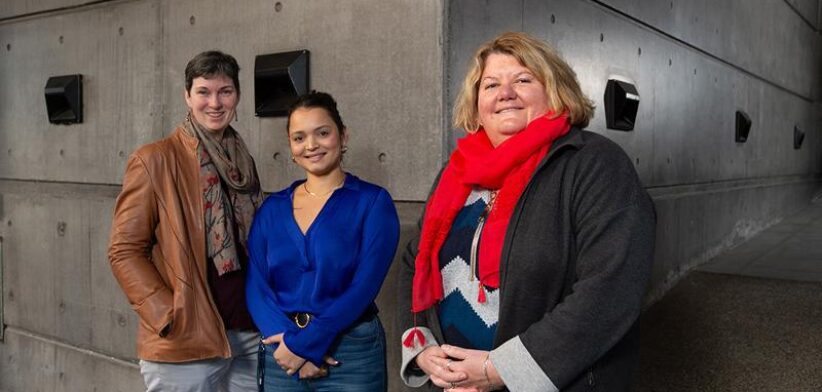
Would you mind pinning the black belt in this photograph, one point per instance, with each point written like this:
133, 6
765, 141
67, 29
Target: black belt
302, 319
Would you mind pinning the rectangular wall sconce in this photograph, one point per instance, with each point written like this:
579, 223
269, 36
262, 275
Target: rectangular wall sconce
743, 126
279, 79
621, 104
64, 99
798, 138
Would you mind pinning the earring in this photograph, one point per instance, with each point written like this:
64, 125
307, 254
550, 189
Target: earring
235, 116
344, 149
293, 159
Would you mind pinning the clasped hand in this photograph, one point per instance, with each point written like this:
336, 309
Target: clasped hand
457, 369
292, 363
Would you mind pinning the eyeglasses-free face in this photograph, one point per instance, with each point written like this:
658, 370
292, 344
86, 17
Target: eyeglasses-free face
509, 97
213, 102
315, 141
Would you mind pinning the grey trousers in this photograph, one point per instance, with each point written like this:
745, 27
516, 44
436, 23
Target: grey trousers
235, 374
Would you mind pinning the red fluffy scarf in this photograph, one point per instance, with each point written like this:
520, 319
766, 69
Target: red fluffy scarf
476, 163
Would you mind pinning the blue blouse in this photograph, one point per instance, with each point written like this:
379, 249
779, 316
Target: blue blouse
333, 272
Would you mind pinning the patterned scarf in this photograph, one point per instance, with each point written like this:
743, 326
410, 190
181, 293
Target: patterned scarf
231, 193
477, 163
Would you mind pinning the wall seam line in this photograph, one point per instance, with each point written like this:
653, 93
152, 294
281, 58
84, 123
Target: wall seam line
799, 14
704, 52
51, 11
45, 339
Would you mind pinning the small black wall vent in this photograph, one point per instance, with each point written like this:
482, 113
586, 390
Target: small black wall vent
64, 99
743, 126
798, 138
621, 104
279, 79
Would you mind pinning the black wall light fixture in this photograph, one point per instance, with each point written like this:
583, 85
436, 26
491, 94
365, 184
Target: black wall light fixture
798, 137
743, 126
279, 79
64, 99
621, 104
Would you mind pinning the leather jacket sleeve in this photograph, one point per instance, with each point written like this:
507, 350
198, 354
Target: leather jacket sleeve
130, 246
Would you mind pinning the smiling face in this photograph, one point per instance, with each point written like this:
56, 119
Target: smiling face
212, 102
316, 142
509, 97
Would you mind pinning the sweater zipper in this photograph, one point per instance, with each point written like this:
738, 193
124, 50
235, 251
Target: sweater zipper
477, 233
475, 245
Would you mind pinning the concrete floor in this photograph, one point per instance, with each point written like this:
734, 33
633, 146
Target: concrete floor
749, 320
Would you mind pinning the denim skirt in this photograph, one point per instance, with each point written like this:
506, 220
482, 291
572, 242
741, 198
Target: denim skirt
361, 353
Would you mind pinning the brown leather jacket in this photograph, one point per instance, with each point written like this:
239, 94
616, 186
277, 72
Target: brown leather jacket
157, 253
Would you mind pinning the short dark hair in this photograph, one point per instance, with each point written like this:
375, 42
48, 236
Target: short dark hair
317, 99
210, 64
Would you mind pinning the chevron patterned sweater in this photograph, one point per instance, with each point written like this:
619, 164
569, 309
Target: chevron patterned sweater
465, 321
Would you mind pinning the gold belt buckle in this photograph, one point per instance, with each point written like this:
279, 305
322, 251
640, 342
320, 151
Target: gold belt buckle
302, 319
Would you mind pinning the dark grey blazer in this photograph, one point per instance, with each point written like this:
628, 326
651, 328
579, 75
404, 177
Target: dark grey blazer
575, 266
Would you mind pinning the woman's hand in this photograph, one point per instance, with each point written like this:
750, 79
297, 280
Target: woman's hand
470, 363
309, 370
434, 362
287, 360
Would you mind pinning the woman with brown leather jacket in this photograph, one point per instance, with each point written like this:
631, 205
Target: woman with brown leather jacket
178, 241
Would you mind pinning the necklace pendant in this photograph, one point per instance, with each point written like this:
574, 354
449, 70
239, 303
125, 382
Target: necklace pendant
330, 191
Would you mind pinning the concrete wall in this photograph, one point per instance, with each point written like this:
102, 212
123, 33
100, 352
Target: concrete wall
68, 326
694, 63
394, 66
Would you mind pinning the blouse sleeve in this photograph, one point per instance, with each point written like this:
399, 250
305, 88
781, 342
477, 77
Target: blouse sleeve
260, 297
379, 239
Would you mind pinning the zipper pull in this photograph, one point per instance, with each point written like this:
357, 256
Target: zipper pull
475, 248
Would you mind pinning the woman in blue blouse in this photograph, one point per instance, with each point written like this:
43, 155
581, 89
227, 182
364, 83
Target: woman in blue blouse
320, 250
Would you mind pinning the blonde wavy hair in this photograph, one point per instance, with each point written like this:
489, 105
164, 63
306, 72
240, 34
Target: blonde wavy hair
560, 81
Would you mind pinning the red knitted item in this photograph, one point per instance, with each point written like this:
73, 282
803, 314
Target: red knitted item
476, 163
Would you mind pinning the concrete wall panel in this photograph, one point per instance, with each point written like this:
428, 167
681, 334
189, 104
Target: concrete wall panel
697, 223
18, 8
57, 281
387, 85
34, 363
115, 48
769, 39
808, 10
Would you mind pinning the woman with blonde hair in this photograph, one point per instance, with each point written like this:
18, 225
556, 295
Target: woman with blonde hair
536, 243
